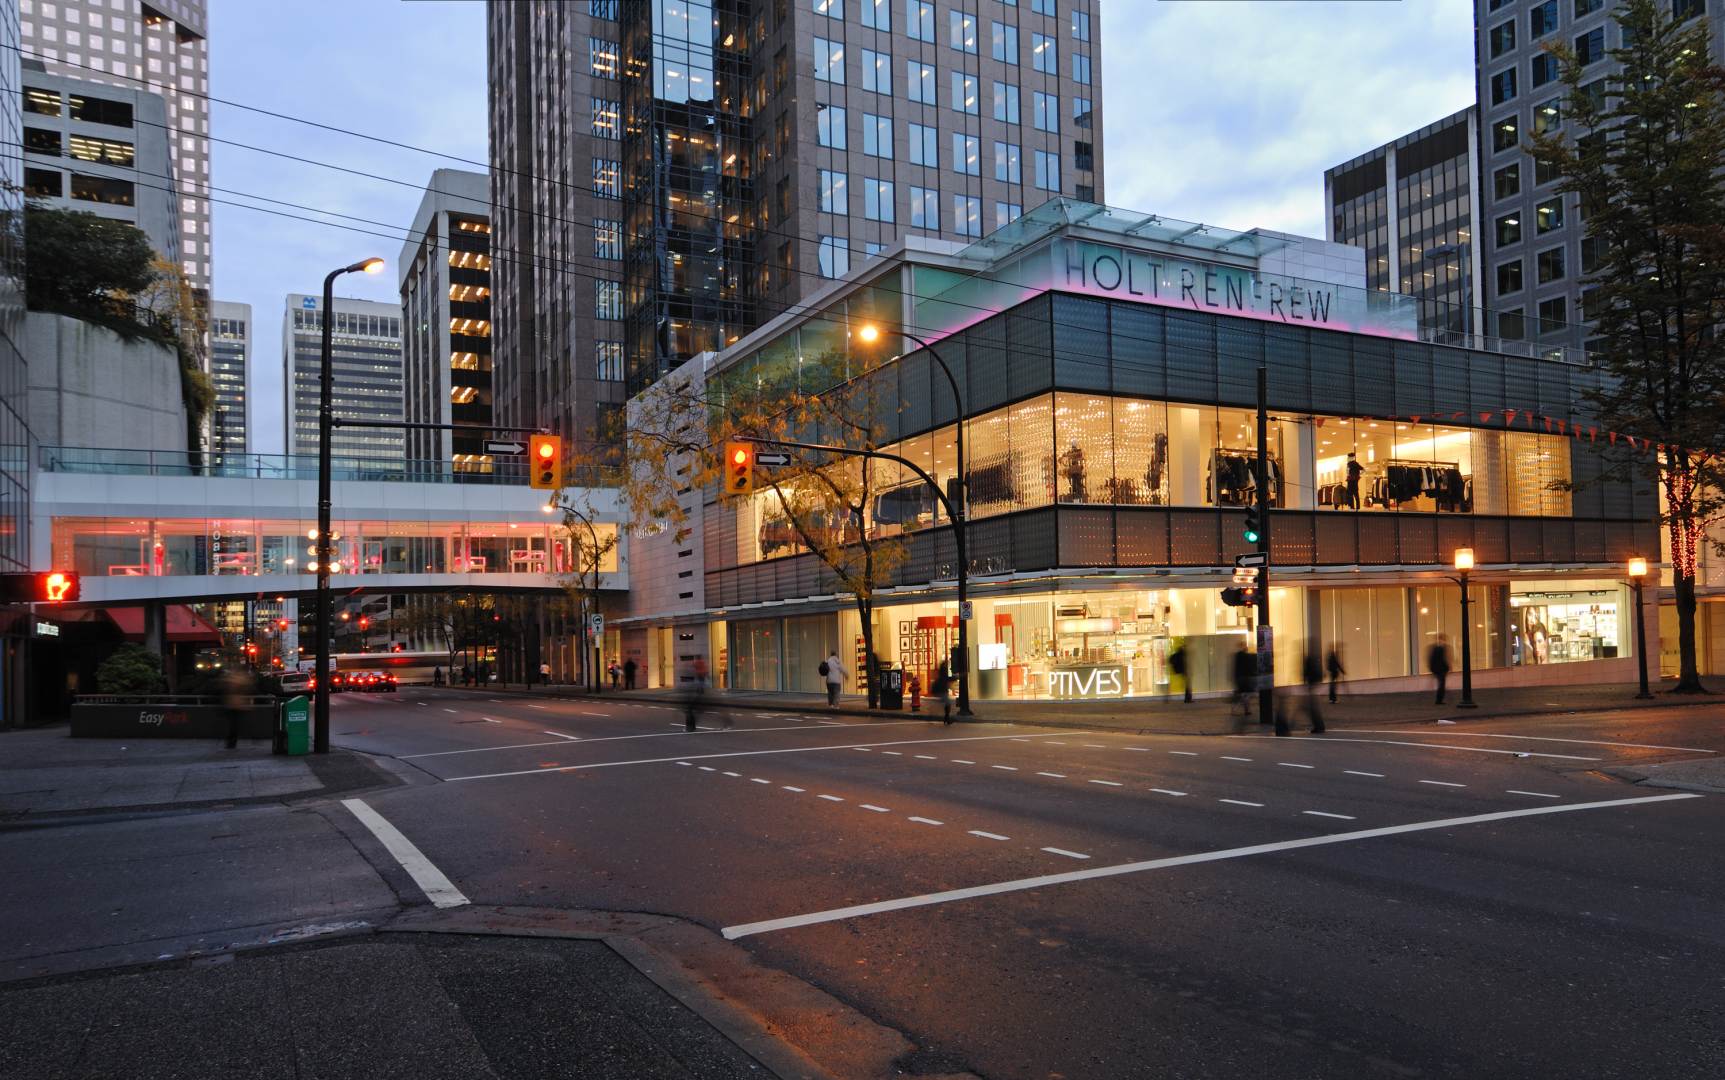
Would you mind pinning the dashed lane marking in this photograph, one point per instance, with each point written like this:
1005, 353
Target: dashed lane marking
449, 710
575, 738
1356, 772
988, 835
962, 761
1332, 740
1240, 802
892, 753
689, 763
706, 768
864, 749
873, 807
830, 798
1140, 749
1442, 783
488, 720
1041, 881
733, 774
1548, 738
1068, 854
1005, 768
680, 729
530, 705
788, 787
758, 780
1106, 783
1093, 745
1535, 794
1056, 775
1322, 813
1230, 757
926, 820
926, 757
1165, 791
1185, 753
1294, 765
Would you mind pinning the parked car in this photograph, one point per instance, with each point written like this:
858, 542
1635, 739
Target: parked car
294, 683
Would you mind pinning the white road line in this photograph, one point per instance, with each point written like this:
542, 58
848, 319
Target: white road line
1535, 794
1294, 765
706, 768
876, 809
1056, 775
709, 757
1045, 880
1106, 783
830, 798
488, 720
1055, 742
736, 774
1068, 854
961, 761
788, 787
497, 701
927, 821
1165, 791
1140, 749
1547, 738
530, 705
758, 780
832, 723
680, 730
864, 749
1230, 757
1442, 783
892, 753
1330, 740
988, 835
1240, 802
688, 763
449, 710
926, 757
1020, 740
1320, 813
1185, 753
1356, 772
1006, 768
560, 735
437, 888
1093, 745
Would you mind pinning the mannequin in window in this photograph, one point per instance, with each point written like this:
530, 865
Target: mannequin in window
1072, 469
1158, 465
1355, 470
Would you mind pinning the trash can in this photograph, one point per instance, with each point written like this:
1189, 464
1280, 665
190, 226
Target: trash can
295, 727
890, 679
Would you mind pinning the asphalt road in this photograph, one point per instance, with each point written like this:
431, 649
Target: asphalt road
1477, 900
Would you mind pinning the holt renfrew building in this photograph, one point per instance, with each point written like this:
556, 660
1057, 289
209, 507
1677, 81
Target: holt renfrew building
1108, 366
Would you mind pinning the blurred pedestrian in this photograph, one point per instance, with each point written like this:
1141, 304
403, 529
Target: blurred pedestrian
1245, 679
694, 693
616, 674
1177, 669
437, 675
237, 692
941, 688
1312, 674
629, 669
1437, 662
834, 673
1333, 667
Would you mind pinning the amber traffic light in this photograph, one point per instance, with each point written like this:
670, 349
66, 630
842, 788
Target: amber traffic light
739, 468
544, 461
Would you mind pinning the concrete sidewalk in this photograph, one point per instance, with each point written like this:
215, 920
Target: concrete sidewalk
44, 771
1204, 716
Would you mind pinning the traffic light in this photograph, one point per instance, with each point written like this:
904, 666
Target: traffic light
739, 468
1235, 597
365, 622
1252, 531
544, 461
1244, 591
46, 587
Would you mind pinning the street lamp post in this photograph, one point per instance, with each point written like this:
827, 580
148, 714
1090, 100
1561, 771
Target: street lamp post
1637, 571
586, 623
1463, 564
960, 510
326, 550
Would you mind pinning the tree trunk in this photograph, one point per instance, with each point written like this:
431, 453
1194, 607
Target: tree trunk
865, 609
1688, 673
1686, 535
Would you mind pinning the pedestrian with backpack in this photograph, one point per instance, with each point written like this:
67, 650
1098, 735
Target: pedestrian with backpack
834, 674
1177, 669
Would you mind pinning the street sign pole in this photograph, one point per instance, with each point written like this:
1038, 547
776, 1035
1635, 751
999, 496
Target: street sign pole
1266, 636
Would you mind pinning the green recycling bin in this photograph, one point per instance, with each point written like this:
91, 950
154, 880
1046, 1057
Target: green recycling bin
296, 725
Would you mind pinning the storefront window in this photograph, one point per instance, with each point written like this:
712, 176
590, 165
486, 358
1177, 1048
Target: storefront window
1437, 620
1368, 628
755, 654
1565, 621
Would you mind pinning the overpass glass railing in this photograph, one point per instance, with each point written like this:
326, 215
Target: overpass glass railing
122, 462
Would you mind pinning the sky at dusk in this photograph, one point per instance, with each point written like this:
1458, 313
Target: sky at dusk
1223, 111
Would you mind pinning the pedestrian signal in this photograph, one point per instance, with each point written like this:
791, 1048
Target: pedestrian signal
739, 468
46, 587
544, 461
1237, 597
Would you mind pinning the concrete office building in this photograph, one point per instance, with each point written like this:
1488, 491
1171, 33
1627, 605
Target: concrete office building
157, 47
1536, 252
230, 368
665, 182
101, 149
1107, 361
366, 357
446, 315
1411, 204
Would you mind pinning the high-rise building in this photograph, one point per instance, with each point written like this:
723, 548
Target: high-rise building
365, 356
101, 149
1411, 205
1536, 251
666, 179
446, 316
230, 364
16, 621
159, 46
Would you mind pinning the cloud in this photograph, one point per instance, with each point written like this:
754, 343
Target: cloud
1229, 112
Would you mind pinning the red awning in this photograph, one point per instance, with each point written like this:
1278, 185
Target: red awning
183, 625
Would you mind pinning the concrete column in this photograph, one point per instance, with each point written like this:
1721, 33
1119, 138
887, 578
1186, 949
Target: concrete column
1186, 476
1299, 470
156, 637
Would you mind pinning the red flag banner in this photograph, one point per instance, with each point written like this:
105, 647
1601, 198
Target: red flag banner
1508, 416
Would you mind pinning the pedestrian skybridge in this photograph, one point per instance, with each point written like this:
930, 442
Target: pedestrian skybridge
143, 526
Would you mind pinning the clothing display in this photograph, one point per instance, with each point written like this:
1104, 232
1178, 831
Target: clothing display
1234, 480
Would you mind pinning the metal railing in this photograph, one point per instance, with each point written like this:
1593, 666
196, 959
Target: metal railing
122, 462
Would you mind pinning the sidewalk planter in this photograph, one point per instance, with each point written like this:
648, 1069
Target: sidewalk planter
166, 716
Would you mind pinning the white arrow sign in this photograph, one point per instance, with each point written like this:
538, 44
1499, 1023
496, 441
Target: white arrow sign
504, 448
773, 458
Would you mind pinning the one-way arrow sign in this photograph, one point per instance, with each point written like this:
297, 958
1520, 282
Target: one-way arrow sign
773, 457
499, 447
1254, 558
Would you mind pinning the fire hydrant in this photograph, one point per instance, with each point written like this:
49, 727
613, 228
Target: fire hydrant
915, 694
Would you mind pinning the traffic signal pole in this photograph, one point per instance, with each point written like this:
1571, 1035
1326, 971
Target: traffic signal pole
1266, 637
